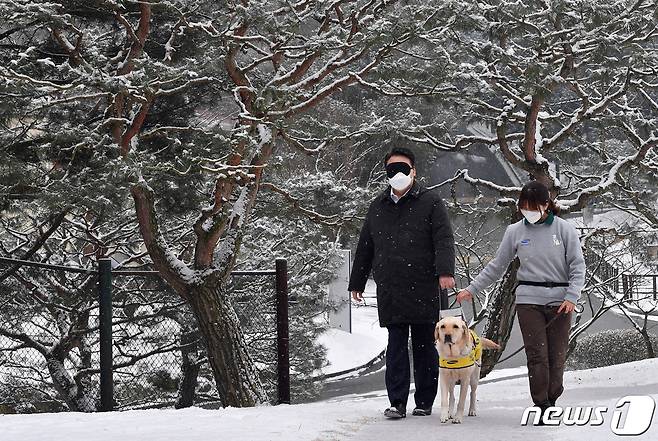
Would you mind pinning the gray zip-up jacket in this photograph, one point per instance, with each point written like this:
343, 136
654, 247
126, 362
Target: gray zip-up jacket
548, 252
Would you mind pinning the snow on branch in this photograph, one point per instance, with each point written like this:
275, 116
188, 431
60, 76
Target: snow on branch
329, 220
610, 180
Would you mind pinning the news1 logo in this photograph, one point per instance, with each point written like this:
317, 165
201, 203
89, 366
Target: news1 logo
632, 415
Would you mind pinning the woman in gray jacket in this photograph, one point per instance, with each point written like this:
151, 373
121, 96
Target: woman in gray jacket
550, 277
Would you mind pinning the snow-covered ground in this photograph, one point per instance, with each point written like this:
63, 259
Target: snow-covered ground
349, 350
357, 417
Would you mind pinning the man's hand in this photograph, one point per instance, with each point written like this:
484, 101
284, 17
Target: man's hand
357, 295
446, 282
464, 295
567, 306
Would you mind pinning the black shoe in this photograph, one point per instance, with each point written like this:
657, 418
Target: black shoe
542, 408
395, 412
419, 411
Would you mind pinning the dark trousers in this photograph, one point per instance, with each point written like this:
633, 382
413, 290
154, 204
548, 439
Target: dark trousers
425, 359
545, 348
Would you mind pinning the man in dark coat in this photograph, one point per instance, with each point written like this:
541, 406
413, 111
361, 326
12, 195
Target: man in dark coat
407, 242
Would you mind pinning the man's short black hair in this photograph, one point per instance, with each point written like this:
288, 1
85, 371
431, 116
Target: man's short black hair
402, 151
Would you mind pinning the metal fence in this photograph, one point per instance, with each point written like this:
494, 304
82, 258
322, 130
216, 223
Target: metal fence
84, 339
607, 273
640, 286
634, 287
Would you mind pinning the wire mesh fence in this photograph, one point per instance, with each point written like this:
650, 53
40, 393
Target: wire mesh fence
46, 350
256, 308
50, 340
147, 319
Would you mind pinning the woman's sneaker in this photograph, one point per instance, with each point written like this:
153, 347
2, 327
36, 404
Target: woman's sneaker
395, 412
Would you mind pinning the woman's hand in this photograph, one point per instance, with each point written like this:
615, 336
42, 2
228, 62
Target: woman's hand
464, 295
567, 306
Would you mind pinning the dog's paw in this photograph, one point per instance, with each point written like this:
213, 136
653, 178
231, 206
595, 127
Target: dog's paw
456, 420
472, 412
445, 418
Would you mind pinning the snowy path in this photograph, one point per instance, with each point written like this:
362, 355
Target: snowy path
353, 418
375, 380
501, 406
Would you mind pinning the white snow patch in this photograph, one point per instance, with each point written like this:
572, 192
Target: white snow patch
265, 134
357, 417
350, 350
539, 141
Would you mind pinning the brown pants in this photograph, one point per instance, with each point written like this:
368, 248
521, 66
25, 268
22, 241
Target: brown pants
545, 348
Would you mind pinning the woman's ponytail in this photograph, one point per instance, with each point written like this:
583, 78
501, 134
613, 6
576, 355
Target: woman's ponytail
553, 207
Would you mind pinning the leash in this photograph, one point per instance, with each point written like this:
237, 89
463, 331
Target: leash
578, 309
459, 312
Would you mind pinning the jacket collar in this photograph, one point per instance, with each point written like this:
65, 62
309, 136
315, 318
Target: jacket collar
413, 192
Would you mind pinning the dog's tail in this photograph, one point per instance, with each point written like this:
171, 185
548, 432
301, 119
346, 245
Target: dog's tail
489, 344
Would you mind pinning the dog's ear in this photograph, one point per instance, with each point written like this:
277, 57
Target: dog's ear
465, 330
436, 332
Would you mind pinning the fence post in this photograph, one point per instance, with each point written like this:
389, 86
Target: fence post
105, 326
282, 341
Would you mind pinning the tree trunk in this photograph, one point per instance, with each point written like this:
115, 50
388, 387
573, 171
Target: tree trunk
647, 342
74, 395
238, 380
190, 368
501, 318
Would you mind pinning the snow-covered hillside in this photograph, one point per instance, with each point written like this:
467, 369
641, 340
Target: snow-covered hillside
501, 404
366, 341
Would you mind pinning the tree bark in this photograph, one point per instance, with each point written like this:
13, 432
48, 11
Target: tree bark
647, 342
236, 376
74, 395
501, 318
190, 368
238, 380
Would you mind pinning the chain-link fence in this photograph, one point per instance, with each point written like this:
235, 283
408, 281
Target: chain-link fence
51, 327
147, 324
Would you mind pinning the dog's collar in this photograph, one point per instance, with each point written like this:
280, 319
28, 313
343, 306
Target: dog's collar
466, 361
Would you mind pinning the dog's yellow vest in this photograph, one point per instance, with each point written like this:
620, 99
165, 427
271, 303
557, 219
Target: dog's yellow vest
468, 360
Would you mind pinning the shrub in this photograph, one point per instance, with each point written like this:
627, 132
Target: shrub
609, 347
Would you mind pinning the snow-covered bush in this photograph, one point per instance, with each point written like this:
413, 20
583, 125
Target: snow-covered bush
608, 347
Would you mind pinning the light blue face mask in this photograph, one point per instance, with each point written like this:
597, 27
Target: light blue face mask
532, 216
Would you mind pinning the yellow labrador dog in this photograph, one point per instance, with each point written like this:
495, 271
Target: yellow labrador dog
460, 353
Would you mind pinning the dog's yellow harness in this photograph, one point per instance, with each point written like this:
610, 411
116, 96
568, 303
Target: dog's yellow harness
468, 360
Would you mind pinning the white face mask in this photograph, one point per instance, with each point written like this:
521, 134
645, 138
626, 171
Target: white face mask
400, 181
532, 216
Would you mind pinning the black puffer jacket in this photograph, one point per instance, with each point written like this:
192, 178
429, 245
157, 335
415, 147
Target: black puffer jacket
407, 245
